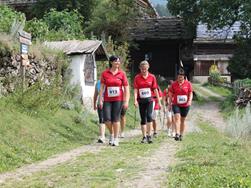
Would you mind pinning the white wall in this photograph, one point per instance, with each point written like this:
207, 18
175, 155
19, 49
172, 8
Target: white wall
78, 78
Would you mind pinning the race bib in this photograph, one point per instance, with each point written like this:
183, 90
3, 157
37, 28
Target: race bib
144, 93
113, 91
181, 99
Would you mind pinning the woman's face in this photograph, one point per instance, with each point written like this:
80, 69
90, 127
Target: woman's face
144, 68
180, 78
116, 63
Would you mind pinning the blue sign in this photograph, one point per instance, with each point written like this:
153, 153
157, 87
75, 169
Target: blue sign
24, 49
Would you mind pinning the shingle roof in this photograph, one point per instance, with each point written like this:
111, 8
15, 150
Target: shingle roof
79, 47
164, 28
226, 33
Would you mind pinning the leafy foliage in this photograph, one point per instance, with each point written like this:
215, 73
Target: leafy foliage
84, 7
113, 18
240, 63
38, 28
218, 14
162, 10
8, 17
57, 25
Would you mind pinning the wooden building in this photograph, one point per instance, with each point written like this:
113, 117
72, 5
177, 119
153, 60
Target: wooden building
163, 42
213, 47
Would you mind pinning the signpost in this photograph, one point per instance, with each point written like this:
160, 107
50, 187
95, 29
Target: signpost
25, 41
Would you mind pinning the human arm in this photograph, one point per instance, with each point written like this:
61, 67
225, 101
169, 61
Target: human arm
126, 96
95, 96
101, 91
135, 97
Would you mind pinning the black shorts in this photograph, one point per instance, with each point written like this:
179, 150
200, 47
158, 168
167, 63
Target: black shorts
183, 111
101, 116
112, 111
146, 111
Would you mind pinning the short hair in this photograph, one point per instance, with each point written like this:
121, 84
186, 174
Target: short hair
144, 63
181, 72
113, 58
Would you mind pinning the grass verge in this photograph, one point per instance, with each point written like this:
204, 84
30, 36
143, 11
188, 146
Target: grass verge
210, 159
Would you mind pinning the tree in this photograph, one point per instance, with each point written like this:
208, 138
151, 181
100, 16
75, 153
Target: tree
218, 14
7, 17
113, 18
240, 64
162, 10
57, 25
84, 7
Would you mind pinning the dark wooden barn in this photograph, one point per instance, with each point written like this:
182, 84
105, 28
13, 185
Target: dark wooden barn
163, 42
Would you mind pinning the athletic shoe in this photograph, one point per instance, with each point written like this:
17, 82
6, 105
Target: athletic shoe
149, 139
169, 132
180, 138
115, 142
173, 134
122, 135
101, 140
111, 140
155, 135
143, 140
177, 137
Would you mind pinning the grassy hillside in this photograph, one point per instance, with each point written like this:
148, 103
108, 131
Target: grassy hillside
25, 139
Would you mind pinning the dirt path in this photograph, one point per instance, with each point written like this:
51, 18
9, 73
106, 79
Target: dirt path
158, 164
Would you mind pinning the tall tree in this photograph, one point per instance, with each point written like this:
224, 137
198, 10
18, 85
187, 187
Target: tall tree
84, 7
218, 14
113, 17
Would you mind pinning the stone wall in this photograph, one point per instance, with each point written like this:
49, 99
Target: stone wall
11, 71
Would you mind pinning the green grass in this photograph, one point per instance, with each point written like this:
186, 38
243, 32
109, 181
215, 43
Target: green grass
25, 139
29, 136
108, 168
219, 90
210, 159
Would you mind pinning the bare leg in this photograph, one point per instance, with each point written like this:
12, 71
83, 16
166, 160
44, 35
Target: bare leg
149, 127
182, 125
154, 126
122, 125
143, 129
102, 130
109, 126
177, 123
116, 126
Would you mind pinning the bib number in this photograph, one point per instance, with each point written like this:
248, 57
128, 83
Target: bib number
181, 99
113, 91
144, 93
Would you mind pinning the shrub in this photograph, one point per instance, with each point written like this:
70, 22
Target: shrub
239, 123
8, 17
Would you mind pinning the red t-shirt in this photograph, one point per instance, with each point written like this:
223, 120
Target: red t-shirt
145, 86
156, 105
113, 85
181, 93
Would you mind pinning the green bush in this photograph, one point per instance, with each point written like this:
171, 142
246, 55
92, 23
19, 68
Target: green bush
7, 17
38, 28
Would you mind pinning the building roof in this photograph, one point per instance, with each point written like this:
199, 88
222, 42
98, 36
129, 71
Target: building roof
224, 34
80, 47
164, 28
